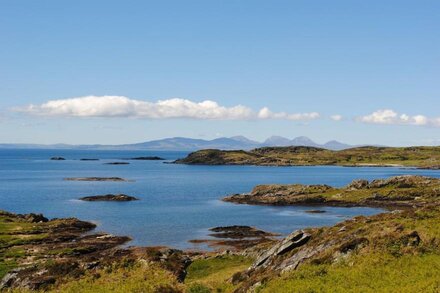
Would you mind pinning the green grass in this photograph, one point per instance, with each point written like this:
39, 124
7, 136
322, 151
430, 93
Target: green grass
139, 278
214, 272
366, 273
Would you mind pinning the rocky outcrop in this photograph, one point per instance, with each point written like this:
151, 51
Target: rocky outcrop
117, 163
88, 159
58, 250
358, 184
398, 191
109, 197
294, 240
115, 179
58, 159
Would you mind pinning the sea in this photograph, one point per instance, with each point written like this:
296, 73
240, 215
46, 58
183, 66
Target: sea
177, 202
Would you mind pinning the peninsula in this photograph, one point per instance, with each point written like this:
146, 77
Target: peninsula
369, 156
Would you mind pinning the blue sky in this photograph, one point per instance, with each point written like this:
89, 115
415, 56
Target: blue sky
374, 63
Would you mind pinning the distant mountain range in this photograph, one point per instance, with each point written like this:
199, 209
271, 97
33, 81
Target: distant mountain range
192, 144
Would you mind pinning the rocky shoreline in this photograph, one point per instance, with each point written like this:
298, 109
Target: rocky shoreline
400, 191
51, 252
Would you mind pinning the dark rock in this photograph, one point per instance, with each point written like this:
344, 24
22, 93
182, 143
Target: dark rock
95, 179
315, 211
237, 232
294, 240
57, 159
35, 218
353, 244
109, 197
152, 158
86, 159
118, 163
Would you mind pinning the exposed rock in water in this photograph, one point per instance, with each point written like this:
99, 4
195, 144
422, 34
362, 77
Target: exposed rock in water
57, 159
86, 159
236, 237
109, 197
238, 232
315, 211
95, 179
152, 158
117, 163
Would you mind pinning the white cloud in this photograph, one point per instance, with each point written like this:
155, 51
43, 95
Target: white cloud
265, 113
336, 117
119, 106
387, 116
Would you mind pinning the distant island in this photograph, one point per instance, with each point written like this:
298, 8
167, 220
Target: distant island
420, 157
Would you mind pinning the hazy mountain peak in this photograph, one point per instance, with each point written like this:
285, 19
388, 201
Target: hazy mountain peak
242, 138
276, 140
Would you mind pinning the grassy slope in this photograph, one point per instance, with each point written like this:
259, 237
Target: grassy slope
306, 156
388, 263
366, 273
213, 273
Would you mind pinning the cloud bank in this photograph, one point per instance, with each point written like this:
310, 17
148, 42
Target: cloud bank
387, 116
120, 106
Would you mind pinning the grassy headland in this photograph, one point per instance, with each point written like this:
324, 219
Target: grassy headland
421, 157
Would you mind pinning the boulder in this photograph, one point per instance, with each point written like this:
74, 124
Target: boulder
358, 184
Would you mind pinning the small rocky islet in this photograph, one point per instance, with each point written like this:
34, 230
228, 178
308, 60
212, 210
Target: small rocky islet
99, 179
109, 197
57, 159
147, 158
117, 163
236, 237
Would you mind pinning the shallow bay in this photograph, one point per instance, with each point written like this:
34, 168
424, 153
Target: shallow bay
177, 202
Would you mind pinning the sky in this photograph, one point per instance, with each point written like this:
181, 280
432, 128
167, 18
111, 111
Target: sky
115, 72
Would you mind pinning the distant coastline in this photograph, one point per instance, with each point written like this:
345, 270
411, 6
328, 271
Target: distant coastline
190, 144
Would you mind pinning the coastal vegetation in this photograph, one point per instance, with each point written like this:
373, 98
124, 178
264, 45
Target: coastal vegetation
421, 157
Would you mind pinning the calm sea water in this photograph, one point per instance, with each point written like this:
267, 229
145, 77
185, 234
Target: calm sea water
178, 202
